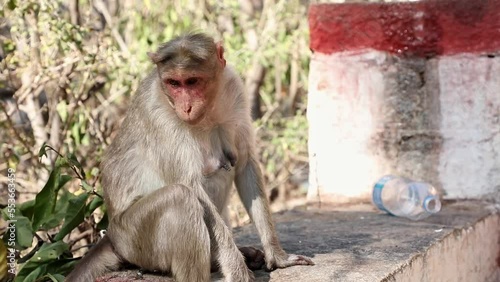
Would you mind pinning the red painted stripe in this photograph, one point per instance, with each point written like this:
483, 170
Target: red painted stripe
423, 28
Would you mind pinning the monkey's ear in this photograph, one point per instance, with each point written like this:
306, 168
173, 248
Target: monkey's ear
154, 57
220, 54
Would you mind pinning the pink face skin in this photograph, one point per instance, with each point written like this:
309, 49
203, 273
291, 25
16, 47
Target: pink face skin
189, 96
192, 92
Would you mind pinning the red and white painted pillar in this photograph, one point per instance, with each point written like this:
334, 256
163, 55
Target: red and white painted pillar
405, 88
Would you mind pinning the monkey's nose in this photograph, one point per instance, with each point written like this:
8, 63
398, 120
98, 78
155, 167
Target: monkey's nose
188, 111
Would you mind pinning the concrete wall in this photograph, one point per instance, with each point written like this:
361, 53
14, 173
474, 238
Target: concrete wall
467, 255
411, 89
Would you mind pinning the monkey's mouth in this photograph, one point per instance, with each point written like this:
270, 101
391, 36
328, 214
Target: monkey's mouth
192, 119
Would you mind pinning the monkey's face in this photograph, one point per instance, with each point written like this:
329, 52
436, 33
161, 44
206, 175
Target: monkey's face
190, 69
191, 95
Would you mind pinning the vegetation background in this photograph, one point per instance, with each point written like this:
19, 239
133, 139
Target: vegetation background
68, 69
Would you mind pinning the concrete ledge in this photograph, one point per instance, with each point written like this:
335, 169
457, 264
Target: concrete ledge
462, 255
359, 244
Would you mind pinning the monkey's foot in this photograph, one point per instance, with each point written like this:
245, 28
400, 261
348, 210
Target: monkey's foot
289, 260
254, 258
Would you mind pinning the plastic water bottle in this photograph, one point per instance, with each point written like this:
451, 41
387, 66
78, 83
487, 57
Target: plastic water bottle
406, 198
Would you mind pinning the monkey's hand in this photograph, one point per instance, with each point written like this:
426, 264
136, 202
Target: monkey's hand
254, 258
231, 157
283, 260
228, 157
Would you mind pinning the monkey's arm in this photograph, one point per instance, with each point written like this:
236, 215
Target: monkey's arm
250, 188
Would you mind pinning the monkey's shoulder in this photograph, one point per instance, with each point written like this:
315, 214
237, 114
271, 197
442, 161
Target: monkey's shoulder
147, 83
232, 83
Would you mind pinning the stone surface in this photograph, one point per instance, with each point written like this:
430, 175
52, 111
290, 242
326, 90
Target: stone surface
398, 88
469, 102
423, 28
352, 245
369, 246
467, 254
371, 113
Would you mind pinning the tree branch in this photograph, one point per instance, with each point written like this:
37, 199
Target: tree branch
101, 8
74, 11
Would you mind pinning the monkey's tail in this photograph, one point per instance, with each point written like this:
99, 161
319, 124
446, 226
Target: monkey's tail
100, 259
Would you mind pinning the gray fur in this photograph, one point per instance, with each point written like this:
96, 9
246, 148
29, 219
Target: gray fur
165, 187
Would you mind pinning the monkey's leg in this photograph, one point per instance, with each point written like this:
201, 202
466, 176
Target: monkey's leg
230, 260
97, 261
165, 231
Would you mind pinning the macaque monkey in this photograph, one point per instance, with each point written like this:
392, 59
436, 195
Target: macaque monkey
186, 138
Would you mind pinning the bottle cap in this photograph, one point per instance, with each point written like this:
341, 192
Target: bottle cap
432, 204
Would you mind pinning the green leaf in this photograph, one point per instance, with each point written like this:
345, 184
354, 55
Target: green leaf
49, 252
38, 265
95, 171
63, 201
64, 179
23, 233
62, 266
74, 162
173, 16
61, 162
53, 221
74, 215
12, 4
55, 277
54, 269
45, 201
27, 208
43, 150
94, 204
75, 133
62, 204
87, 186
86, 139
30, 273
62, 110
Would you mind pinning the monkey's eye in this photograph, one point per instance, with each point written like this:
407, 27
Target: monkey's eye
191, 81
173, 82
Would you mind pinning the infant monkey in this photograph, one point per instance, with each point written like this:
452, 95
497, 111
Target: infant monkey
187, 137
